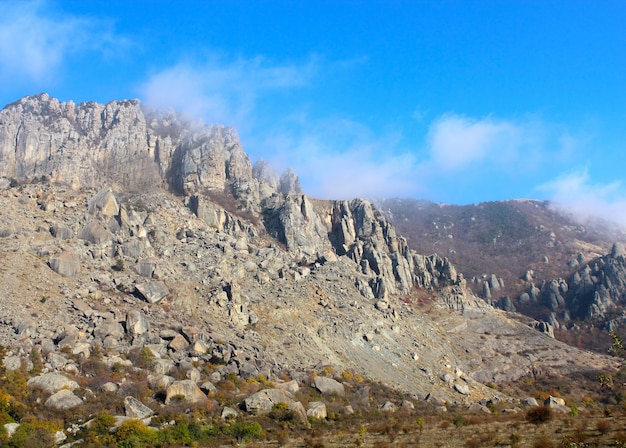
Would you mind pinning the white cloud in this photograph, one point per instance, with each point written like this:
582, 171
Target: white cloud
575, 194
456, 142
221, 91
34, 42
341, 159
337, 157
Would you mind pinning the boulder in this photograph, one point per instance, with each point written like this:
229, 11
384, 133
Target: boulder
145, 268
298, 409
95, 233
162, 366
104, 204
153, 291
10, 428
179, 343
136, 323
264, 400
109, 328
186, 390
328, 386
52, 382
67, 263
317, 409
229, 412
554, 401
62, 400
13, 363
198, 348
109, 387
462, 389
290, 386
134, 408
61, 231
208, 387
530, 401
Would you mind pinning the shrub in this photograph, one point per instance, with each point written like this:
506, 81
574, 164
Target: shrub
543, 442
541, 414
515, 439
245, 430
119, 265
134, 434
458, 421
603, 426
280, 412
35, 358
142, 358
33, 435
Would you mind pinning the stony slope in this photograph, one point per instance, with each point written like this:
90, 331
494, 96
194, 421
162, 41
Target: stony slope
504, 246
197, 256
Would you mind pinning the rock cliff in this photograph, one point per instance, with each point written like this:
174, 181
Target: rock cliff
597, 290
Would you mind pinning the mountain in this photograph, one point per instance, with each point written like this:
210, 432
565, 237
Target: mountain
144, 256
523, 255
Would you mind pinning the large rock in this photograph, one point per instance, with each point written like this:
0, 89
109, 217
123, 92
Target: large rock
67, 263
264, 400
61, 231
328, 386
62, 400
104, 204
52, 382
134, 408
186, 390
109, 328
136, 323
317, 409
152, 291
95, 233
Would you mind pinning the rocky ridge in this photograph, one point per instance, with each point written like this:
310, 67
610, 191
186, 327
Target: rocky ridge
145, 232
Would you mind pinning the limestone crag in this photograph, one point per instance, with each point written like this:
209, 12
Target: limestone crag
120, 143
592, 291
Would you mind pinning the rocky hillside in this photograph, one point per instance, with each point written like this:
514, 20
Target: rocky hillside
131, 236
505, 248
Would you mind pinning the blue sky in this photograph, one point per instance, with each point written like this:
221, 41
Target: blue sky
452, 101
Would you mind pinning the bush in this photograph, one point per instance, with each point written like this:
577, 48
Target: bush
543, 442
603, 426
32, 435
280, 412
142, 358
118, 266
537, 415
134, 434
458, 421
245, 430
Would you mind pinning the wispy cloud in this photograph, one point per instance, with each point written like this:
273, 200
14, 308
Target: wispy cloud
341, 158
456, 141
338, 158
576, 194
35, 41
221, 91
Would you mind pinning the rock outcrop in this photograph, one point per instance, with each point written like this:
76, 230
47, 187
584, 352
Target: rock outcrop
591, 292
